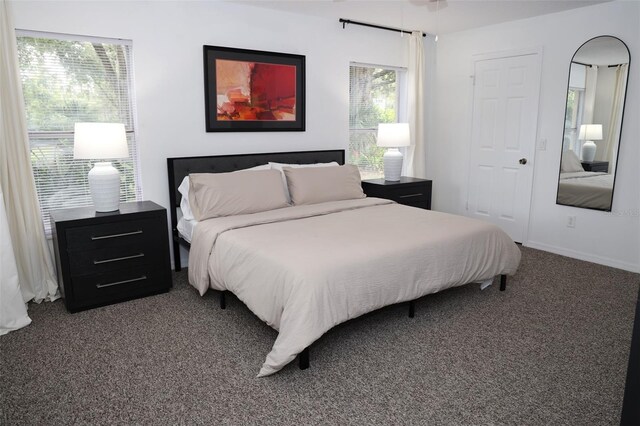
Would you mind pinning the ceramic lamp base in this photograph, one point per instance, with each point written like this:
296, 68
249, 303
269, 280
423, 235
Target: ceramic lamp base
392, 160
104, 183
589, 151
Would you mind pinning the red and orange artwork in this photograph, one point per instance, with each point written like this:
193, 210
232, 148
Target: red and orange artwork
255, 91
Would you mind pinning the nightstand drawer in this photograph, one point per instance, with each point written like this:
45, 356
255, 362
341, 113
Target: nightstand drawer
102, 260
413, 200
115, 234
109, 257
595, 166
117, 285
408, 191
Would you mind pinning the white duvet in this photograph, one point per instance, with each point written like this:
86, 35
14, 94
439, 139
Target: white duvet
586, 189
305, 269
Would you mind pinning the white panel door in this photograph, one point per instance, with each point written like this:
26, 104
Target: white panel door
505, 117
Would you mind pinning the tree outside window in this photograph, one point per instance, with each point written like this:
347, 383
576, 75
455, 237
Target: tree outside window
65, 81
373, 99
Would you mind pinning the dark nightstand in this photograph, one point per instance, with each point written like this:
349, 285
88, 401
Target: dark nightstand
408, 191
104, 258
595, 166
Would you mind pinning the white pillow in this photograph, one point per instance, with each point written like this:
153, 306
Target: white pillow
183, 189
279, 166
570, 162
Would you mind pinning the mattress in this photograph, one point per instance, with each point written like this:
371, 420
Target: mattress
586, 189
186, 227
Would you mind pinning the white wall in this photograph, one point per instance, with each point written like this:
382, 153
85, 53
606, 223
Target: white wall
607, 238
167, 47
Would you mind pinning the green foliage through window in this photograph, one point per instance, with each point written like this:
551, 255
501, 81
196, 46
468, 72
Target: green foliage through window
66, 81
373, 99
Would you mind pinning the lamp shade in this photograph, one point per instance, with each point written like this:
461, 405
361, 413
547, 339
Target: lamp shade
101, 141
590, 132
393, 135
94, 141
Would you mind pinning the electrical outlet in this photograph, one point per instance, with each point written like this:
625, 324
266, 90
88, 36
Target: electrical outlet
571, 221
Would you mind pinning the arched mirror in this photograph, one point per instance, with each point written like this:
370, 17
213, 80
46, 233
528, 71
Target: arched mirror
593, 123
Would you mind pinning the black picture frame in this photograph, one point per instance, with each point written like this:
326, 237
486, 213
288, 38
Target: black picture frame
231, 116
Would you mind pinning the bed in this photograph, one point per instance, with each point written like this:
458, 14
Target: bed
586, 189
305, 268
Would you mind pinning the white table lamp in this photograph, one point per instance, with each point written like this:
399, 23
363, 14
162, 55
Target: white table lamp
98, 141
393, 136
590, 133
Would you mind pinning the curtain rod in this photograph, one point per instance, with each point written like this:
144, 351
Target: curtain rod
582, 63
380, 27
590, 65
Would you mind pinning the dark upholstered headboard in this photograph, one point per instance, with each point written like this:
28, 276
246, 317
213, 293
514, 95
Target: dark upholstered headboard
180, 167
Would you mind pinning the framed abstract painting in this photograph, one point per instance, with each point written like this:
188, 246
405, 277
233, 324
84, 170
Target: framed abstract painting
253, 91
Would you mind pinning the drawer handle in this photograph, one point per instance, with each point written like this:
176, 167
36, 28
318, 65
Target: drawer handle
411, 195
142, 278
117, 259
104, 237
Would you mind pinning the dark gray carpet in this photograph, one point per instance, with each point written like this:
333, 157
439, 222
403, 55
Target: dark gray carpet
552, 349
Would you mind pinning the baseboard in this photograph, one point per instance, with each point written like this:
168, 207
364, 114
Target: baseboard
584, 256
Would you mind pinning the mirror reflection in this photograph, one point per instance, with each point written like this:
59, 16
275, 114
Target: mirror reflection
593, 122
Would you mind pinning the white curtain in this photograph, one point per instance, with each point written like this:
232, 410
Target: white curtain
415, 163
615, 121
590, 86
35, 268
591, 83
13, 310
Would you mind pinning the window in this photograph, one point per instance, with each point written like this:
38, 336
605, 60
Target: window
575, 106
374, 97
573, 118
69, 79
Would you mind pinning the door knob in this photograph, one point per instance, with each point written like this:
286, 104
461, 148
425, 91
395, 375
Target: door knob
523, 161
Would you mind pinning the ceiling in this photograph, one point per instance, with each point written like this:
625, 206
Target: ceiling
431, 16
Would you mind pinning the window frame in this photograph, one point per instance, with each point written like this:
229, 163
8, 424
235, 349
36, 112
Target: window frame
575, 119
401, 101
34, 136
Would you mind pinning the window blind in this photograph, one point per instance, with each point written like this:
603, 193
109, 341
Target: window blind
373, 99
69, 79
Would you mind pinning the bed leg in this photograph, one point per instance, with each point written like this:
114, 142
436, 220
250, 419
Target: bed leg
412, 309
303, 359
503, 282
223, 300
176, 257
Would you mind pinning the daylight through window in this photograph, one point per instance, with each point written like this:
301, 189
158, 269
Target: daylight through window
373, 98
65, 80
